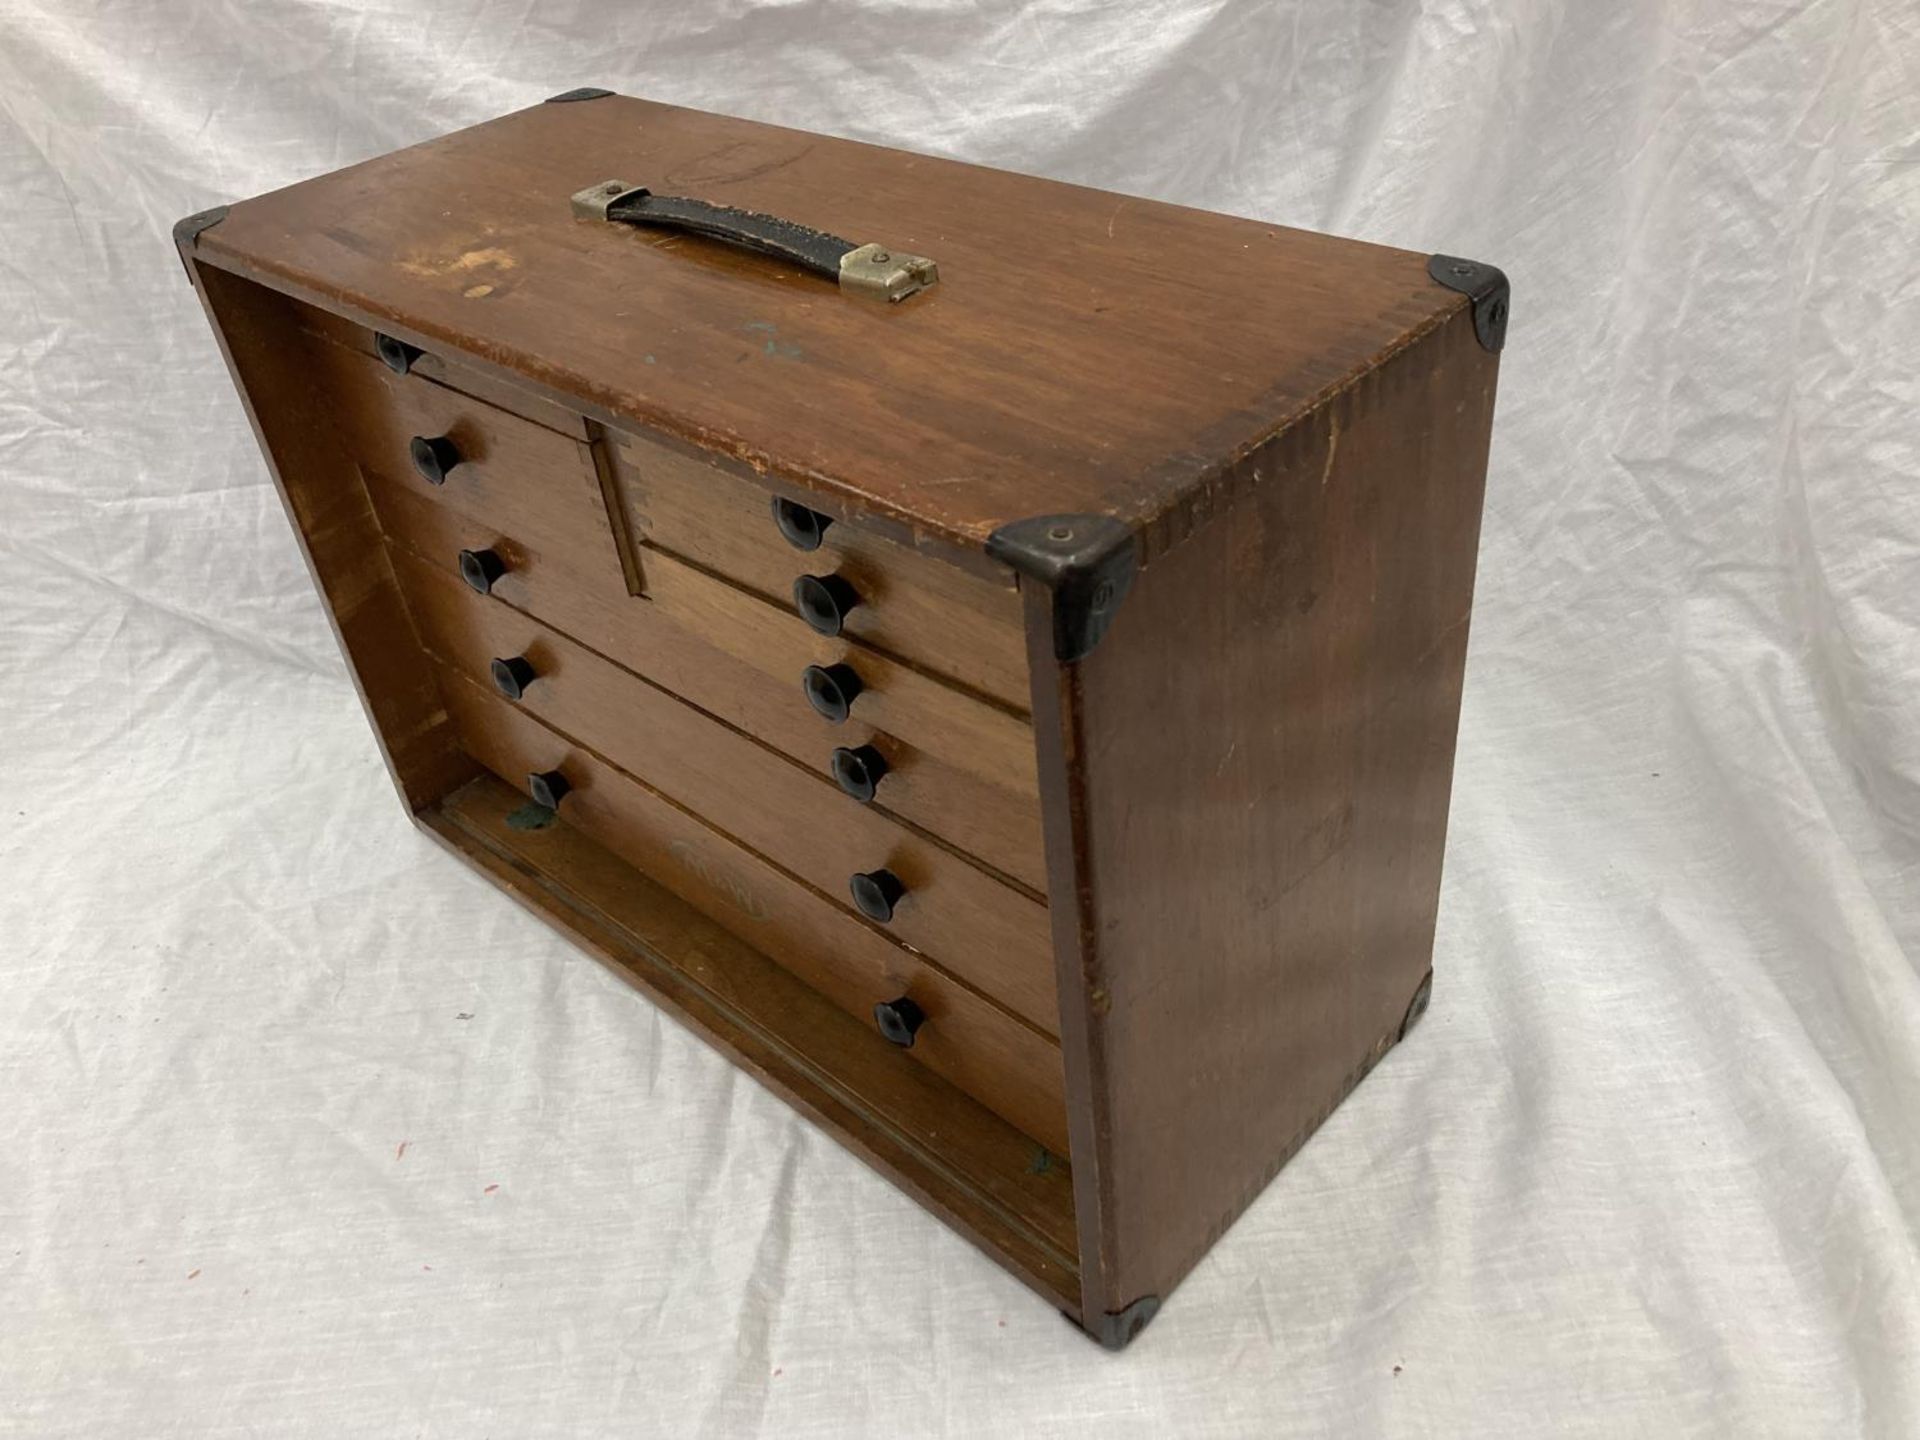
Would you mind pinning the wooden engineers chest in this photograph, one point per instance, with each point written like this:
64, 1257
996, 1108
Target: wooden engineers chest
1002, 695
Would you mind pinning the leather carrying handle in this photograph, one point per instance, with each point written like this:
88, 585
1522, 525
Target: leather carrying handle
810, 249
871, 270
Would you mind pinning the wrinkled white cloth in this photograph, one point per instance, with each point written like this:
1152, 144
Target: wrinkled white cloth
305, 1130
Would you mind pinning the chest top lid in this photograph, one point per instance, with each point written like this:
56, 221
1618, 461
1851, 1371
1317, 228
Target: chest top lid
1081, 352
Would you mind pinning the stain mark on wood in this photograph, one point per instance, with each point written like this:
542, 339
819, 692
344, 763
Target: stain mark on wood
487, 257
530, 816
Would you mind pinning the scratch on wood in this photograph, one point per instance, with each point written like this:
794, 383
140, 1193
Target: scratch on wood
1323, 840
1440, 638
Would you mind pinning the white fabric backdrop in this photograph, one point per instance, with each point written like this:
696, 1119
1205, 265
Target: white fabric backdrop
1651, 1167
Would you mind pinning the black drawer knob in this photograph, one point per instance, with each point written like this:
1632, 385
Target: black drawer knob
831, 689
433, 456
898, 1020
823, 601
548, 788
480, 568
802, 527
876, 892
858, 770
397, 355
511, 677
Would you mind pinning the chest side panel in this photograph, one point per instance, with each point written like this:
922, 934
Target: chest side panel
1252, 777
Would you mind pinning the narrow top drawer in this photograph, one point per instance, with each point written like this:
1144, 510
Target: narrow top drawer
430, 368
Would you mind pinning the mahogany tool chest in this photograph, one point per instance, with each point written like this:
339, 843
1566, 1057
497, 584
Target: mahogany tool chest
983, 652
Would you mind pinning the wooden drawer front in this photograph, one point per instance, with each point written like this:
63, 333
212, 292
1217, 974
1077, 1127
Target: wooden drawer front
975, 788
427, 367
513, 476
1006, 1065
948, 620
992, 936
991, 742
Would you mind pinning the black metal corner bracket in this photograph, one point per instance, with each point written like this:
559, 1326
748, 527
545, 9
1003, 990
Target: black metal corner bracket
1115, 1331
586, 92
186, 233
1486, 286
1088, 561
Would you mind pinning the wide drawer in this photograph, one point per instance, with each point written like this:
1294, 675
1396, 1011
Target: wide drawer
1005, 1064
972, 783
948, 620
985, 932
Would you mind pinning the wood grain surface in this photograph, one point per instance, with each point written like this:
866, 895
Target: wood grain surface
1167, 902
1246, 788
440, 369
519, 477
974, 787
999, 1187
1008, 1066
528, 490
1082, 351
900, 699
949, 621
273, 364
964, 922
